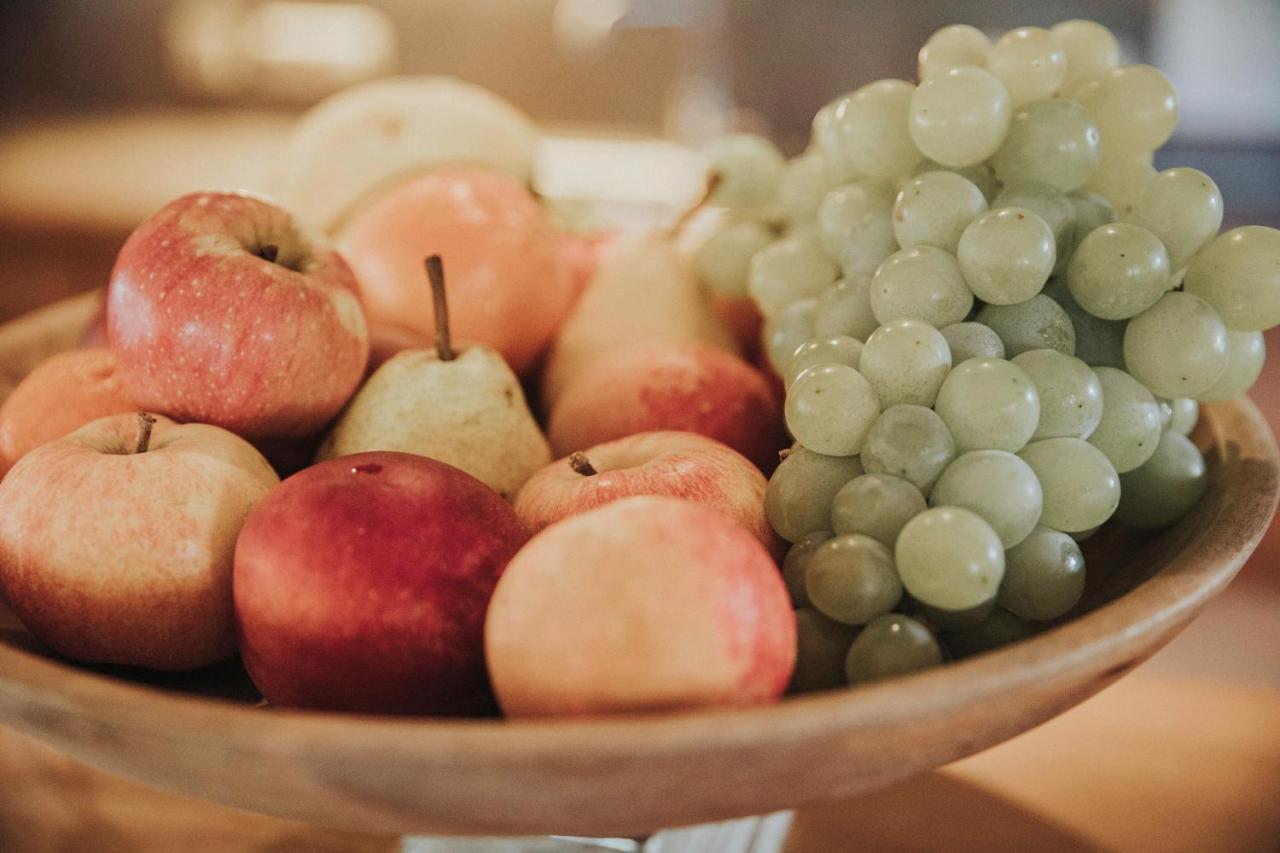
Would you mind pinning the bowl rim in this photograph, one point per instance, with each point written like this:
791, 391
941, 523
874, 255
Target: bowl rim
1162, 603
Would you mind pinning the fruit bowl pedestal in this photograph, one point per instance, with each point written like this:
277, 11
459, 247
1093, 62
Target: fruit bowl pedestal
204, 733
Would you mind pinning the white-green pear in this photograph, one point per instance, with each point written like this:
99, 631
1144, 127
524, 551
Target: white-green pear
465, 408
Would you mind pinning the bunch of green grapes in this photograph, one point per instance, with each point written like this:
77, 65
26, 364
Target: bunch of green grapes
996, 322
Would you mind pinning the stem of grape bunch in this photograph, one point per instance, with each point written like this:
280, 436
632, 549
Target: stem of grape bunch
714, 178
435, 274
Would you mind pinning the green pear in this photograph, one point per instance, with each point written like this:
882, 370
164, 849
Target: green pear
465, 408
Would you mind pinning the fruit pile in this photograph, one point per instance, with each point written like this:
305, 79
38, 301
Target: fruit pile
995, 321
981, 366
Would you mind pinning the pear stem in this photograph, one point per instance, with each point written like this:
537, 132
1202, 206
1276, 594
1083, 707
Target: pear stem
435, 274
714, 179
145, 423
579, 462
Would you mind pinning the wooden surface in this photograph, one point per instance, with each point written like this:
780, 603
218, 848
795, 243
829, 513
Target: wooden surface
632, 775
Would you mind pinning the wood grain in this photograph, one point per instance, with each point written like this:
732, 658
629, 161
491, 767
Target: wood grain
631, 775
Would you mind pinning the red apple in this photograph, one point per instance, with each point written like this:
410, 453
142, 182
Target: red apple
690, 387
222, 312
361, 584
115, 548
508, 286
648, 603
677, 464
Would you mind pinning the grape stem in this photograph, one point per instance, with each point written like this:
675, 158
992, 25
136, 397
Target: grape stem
714, 179
435, 274
579, 462
145, 423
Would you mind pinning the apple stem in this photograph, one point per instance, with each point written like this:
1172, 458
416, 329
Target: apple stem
435, 274
145, 423
714, 179
579, 462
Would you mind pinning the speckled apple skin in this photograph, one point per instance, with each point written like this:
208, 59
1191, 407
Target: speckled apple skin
689, 387
361, 585
62, 394
508, 286
110, 556
646, 604
207, 331
469, 412
676, 464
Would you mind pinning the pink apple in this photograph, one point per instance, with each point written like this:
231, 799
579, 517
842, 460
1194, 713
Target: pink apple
690, 387
361, 584
222, 311
509, 288
648, 603
112, 554
677, 464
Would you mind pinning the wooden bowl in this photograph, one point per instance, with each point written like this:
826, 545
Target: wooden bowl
204, 734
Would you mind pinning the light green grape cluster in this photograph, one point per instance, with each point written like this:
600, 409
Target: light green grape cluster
995, 321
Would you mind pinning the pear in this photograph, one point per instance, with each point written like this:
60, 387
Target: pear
644, 291
465, 408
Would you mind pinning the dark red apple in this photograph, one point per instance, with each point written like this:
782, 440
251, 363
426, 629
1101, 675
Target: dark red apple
221, 311
361, 584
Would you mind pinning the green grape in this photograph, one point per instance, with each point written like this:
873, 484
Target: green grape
949, 558
1118, 271
825, 138
1038, 323
996, 485
844, 308
989, 404
792, 326
851, 579
1183, 207
1006, 255
1081, 487
954, 620
1000, 629
833, 349
796, 563
821, 647
786, 270
906, 361
1246, 352
1051, 142
910, 442
960, 116
1238, 273
980, 175
1052, 205
830, 409
1122, 178
870, 125
891, 645
935, 208
972, 340
1092, 211
748, 166
920, 283
1030, 63
1166, 487
1130, 426
855, 223
1184, 412
1135, 107
1043, 576
1177, 347
1098, 342
951, 47
803, 184
1070, 394
798, 500
876, 505
1090, 49
724, 259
